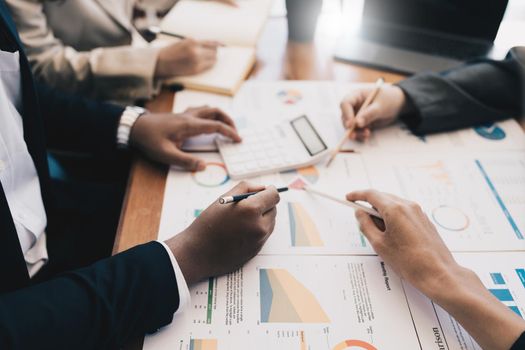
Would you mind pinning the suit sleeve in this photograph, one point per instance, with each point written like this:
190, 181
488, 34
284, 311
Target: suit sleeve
121, 72
77, 124
520, 343
98, 307
473, 94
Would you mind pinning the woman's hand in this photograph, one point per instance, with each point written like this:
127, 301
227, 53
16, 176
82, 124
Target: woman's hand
186, 57
384, 110
411, 245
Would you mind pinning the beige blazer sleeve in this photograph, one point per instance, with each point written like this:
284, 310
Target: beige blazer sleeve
105, 57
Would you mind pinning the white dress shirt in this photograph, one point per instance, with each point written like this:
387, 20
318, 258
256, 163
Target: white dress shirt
19, 177
17, 171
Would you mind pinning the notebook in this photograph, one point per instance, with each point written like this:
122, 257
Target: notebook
238, 28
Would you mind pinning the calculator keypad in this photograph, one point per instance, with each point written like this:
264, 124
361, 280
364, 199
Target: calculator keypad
263, 150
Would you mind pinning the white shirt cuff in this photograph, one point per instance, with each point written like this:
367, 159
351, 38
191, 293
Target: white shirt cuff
184, 292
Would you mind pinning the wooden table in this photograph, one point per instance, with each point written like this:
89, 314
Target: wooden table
276, 59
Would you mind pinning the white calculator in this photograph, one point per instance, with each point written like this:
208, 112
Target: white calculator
289, 145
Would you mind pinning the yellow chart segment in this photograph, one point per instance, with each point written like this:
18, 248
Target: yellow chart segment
203, 344
304, 346
285, 300
303, 231
310, 173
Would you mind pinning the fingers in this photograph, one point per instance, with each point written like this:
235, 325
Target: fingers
269, 221
215, 114
347, 113
266, 199
370, 229
366, 116
174, 156
244, 187
203, 126
377, 199
211, 44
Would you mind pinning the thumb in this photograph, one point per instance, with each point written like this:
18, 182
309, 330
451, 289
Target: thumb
175, 156
370, 230
366, 116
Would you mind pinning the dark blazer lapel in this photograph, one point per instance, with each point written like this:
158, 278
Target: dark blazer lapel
13, 271
33, 127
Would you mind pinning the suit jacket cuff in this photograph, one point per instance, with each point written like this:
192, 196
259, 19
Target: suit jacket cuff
184, 292
125, 74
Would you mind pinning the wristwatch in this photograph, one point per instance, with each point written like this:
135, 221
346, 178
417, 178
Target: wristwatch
127, 120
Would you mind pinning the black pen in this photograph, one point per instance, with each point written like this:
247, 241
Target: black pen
158, 30
234, 199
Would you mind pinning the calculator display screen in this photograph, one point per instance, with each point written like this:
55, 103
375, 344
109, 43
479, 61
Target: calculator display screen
308, 135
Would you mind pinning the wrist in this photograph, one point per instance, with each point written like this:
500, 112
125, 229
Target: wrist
450, 284
401, 101
187, 257
127, 121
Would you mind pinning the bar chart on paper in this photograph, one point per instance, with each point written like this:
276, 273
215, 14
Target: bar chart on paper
203, 344
303, 231
475, 201
286, 300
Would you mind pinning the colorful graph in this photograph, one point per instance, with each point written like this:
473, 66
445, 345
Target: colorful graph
490, 132
214, 175
354, 343
311, 174
505, 296
290, 96
437, 172
203, 344
303, 231
286, 300
450, 218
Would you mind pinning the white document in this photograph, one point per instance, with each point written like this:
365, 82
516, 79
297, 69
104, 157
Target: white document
316, 285
332, 303
476, 201
305, 224
210, 20
505, 135
295, 303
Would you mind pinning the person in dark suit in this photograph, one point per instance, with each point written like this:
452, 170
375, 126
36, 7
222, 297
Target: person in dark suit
104, 304
476, 93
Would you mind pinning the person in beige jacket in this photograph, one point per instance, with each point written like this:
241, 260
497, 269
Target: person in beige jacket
91, 47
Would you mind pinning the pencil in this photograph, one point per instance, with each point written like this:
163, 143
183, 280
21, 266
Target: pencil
157, 30
240, 197
354, 205
348, 132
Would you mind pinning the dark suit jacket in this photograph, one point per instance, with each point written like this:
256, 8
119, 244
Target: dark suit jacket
97, 307
476, 93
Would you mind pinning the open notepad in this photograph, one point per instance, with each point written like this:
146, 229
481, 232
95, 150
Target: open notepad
238, 28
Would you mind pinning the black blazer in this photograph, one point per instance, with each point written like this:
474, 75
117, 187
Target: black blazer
98, 307
476, 93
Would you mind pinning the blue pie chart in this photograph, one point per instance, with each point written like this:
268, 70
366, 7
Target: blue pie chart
490, 132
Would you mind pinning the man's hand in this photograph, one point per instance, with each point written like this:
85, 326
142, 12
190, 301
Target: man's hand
408, 242
160, 136
384, 110
186, 57
225, 236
